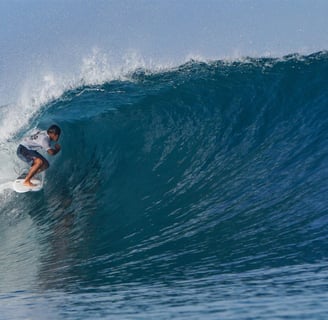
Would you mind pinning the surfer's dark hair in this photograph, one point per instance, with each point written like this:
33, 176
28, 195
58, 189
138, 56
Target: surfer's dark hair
54, 129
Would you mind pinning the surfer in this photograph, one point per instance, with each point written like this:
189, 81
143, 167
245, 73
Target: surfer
27, 151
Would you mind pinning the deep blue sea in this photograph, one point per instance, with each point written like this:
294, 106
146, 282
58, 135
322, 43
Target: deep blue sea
192, 192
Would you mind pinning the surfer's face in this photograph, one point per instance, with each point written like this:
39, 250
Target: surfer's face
54, 136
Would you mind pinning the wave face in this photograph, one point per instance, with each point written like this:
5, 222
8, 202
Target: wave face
199, 191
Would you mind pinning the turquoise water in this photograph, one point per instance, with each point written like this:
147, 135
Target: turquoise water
193, 192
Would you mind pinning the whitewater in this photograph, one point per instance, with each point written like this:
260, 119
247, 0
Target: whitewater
194, 191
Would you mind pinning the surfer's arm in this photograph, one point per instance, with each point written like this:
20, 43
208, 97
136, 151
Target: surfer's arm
55, 150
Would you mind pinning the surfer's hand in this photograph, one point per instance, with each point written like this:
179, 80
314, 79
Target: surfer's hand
57, 147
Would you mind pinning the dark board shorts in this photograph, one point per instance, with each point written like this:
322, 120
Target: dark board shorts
29, 155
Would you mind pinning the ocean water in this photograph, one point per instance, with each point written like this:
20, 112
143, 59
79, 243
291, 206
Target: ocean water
192, 192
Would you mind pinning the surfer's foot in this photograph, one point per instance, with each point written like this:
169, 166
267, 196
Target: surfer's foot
28, 184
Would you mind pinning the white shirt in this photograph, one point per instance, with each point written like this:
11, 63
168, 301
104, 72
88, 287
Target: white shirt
39, 140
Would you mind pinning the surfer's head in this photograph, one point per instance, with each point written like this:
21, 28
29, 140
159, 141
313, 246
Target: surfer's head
54, 132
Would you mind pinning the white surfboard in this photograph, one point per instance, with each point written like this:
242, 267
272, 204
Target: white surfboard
19, 187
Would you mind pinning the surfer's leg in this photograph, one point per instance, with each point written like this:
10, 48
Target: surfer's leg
45, 165
37, 161
37, 165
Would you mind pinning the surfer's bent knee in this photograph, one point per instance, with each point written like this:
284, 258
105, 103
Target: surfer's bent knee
42, 163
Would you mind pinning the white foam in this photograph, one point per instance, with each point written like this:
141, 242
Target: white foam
8, 165
5, 186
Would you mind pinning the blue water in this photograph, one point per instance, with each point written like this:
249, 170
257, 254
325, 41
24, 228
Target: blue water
195, 192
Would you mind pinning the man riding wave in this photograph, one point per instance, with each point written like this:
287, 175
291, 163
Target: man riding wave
28, 151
